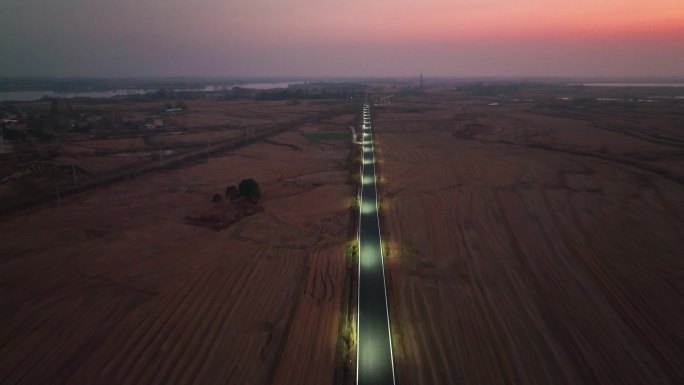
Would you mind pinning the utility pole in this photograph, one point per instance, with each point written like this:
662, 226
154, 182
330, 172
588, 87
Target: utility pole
421, 82
209, 152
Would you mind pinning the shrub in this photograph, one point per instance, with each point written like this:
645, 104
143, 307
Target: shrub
232, 192
250, 188
217, 198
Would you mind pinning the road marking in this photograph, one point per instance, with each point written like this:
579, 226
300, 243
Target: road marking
376, 351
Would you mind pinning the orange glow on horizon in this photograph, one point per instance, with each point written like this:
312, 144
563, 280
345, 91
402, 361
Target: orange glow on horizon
355, 37
441, 21
563, 30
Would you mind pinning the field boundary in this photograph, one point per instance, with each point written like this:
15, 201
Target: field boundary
177, 161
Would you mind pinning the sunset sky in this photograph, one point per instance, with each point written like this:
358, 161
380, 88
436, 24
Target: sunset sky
341, 38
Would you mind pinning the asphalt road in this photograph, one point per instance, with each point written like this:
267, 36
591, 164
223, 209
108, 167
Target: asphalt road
374, 359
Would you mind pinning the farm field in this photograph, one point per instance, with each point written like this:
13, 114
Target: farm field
116, 144
328, 136
533, 242
122, 290
249, 112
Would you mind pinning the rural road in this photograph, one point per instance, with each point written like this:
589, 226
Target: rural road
374, 361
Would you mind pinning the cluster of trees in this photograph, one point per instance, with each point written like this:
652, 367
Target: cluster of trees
61, 116
247, 188
491, 89
289, 94
38, 123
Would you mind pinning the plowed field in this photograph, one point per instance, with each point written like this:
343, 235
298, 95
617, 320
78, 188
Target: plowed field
528, 248
113, 287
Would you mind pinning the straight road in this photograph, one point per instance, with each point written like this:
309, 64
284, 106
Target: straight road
374, 361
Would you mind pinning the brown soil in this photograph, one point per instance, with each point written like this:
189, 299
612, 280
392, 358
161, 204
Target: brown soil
113, 287
115, 147
193, 139
522, 251
235, 114
223, 214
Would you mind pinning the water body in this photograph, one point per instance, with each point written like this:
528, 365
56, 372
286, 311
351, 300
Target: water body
635, 84
27, 96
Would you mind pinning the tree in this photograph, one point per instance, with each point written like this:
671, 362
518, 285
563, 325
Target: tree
54, 107
232, 192
217, 198
250, 188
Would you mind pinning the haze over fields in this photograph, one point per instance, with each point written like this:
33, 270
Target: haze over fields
328, 192
335, 38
